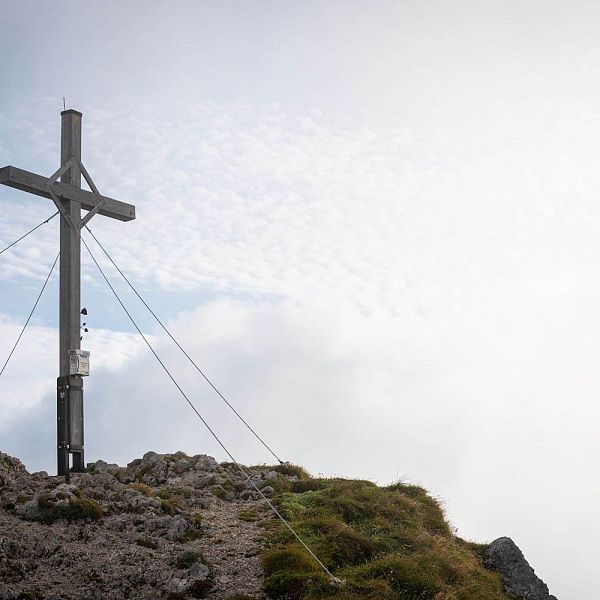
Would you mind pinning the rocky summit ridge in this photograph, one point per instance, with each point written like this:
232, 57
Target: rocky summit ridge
176, 526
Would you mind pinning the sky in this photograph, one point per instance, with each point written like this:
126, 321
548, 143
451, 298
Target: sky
375, 225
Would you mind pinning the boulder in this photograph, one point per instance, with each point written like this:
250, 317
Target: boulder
101, 466
202, 462
181, 466
268, 491
137, 502
10, 469
171, 528
520, 580
193, 582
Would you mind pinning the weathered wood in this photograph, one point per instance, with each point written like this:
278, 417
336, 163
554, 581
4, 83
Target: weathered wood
70, 287
37, 184
70, 242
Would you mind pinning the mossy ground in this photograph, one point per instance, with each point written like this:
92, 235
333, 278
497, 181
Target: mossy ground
386, 543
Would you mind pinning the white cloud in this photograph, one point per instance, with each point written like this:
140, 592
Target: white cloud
261, 202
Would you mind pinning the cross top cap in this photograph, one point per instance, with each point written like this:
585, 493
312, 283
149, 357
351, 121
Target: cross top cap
71, 111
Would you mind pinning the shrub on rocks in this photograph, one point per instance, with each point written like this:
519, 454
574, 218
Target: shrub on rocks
187, 558
141, 487
63, 502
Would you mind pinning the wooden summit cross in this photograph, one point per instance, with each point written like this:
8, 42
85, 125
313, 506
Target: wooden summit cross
69, 199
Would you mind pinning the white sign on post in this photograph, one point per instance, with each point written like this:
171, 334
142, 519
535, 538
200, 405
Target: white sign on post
79, 362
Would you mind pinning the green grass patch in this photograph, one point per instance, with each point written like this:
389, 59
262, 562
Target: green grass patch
390, 543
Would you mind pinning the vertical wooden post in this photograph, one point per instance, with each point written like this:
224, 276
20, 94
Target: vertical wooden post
70, 388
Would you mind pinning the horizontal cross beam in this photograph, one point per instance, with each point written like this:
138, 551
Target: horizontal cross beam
38, 185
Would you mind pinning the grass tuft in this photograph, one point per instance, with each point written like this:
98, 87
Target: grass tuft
289, 558
291, 471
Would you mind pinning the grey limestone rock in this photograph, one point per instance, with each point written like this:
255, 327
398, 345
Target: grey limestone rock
172, 528
193, 582
520, 580
135, 501
181, 466
101, 466
202, 462
268, 491
10, 468
249, 494
271, 476
29, 510
200, 481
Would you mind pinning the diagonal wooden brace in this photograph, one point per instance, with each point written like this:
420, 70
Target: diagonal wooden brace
61, 208
94, 189
54, 178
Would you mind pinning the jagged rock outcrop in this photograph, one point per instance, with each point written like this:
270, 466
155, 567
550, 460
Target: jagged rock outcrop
520, 580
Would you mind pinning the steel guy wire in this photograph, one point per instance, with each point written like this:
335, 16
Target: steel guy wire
190, 359
212, 432
30, 231
30, 314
